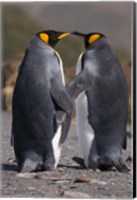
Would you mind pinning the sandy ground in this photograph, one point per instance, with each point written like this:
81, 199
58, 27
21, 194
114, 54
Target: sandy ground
69, 180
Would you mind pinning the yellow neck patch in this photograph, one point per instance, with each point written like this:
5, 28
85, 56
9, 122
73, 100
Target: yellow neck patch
44, 37
93, 38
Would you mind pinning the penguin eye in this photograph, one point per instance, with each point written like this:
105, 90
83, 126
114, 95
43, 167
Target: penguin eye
44, 37
93, 38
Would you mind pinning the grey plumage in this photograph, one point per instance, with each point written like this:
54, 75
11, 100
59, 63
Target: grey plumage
105, 87
35, 104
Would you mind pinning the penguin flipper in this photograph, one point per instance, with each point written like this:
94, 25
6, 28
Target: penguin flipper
79, 83
74, 88
65, 128
61, 97
63, 115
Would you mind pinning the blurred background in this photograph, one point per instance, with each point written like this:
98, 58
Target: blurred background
22, 20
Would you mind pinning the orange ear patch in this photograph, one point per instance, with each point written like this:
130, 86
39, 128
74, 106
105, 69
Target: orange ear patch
44, 37
93, 38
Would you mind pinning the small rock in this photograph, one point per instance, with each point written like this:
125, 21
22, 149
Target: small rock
98, 182
98, 170
82, 179
26, 175
62, 181
113, 196
61, 169
131, 172
72, 187
54, 176
75, 194
62, 187
31, 188
103, 187
11, 160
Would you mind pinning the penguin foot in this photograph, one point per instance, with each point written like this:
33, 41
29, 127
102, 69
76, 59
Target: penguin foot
48, 167
107, 162
79, 160
124, 169
93, 162
31, 166
120, 165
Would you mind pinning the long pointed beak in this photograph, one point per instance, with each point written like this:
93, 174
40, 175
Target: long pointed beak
63, 35
78, 34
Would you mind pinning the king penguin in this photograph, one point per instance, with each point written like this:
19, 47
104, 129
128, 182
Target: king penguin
38, 95
102, 107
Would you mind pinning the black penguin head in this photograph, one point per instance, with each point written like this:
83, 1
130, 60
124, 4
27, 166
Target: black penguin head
89, 38
51, 37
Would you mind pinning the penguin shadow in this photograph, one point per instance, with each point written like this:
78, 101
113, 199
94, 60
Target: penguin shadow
9, 167
78, 160
14, 168
70, 166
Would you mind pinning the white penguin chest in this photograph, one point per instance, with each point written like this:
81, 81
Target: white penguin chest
85, 132
56, 146
57, 136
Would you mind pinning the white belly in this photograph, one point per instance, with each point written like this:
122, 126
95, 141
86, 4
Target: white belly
56, 139
55, 145
85, 132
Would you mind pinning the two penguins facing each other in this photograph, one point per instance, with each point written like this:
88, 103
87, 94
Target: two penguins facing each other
42, 105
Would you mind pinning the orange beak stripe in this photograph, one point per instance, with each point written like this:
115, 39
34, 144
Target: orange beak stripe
63, 35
